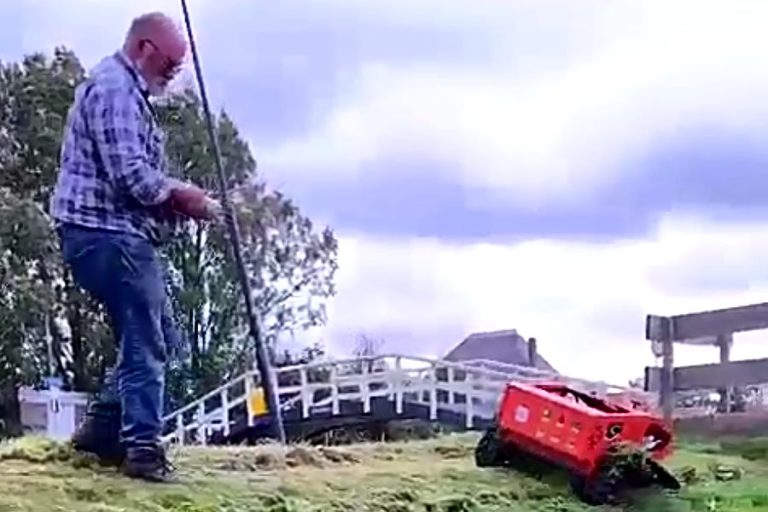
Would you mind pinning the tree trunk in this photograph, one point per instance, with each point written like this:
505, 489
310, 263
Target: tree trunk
10, 413
75, 319
198, 310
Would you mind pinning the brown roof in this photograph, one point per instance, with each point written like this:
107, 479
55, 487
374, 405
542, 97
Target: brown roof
501, 346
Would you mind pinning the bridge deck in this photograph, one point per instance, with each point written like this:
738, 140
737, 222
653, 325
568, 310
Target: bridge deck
322, 420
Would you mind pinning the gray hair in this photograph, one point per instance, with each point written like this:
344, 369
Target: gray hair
146, 24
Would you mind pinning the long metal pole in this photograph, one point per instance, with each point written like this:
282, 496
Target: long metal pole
262, 359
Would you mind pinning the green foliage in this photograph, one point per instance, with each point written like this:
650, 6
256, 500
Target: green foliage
25, 298
291, 266
291, 263
37, 94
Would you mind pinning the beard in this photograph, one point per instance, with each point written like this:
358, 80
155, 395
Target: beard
156, 87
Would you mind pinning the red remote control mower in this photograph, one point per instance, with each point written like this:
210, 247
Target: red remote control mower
608, 449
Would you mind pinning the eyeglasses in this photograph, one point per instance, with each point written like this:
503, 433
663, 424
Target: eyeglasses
169, 67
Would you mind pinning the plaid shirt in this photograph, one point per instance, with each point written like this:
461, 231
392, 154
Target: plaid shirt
113, 166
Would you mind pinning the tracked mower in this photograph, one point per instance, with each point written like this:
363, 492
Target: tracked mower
608, 450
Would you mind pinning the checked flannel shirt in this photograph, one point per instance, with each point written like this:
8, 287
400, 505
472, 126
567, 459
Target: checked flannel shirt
113, 165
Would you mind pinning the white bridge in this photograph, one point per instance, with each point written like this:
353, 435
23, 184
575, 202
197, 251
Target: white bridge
329, 389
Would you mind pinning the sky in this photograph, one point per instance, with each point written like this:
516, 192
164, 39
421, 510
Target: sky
562, 168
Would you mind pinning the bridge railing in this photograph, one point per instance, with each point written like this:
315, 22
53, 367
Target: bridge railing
199, 416
393, 376
472, 389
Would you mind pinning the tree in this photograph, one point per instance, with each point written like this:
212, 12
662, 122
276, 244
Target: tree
291, 263
37, 94
25, 300
367, 346
292, 267
307, 355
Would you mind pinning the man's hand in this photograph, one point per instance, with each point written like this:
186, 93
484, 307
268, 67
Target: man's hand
215, 211
192, 201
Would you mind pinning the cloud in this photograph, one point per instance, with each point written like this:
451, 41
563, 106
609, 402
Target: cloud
499, 120
717, 169
585, 303
707, 171
725, 259
283, 67
420, 129
93, 28
12, 33
560, 133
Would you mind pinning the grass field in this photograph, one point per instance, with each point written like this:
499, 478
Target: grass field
430, 476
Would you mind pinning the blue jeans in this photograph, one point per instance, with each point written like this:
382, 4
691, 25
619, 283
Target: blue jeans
124, 273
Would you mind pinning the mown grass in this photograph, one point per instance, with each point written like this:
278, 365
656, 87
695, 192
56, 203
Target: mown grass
426, 476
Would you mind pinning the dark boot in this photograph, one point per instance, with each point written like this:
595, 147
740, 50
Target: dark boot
148, 463
99, 434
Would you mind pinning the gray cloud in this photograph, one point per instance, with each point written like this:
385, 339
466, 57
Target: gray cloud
708, 171
705, 167
620, 320
419, 202
713, 270
280, 68
15, 18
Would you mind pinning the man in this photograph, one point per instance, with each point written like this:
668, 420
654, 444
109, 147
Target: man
111, 204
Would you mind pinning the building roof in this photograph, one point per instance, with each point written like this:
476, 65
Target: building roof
506, 347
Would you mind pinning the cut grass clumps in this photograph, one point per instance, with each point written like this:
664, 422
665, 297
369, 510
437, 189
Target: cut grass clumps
260, 502
36, 450
437, 475
454, 450
41, 450
411, 430
269, 457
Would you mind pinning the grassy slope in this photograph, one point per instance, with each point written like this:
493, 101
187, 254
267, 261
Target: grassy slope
429, 476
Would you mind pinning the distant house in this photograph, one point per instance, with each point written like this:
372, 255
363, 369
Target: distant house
506, 347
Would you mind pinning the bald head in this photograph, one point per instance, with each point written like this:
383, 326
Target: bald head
157, 47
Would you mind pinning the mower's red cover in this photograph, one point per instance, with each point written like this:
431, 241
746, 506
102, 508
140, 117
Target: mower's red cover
574, 429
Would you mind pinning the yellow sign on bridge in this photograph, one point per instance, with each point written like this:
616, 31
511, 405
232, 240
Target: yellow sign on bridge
257, 402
